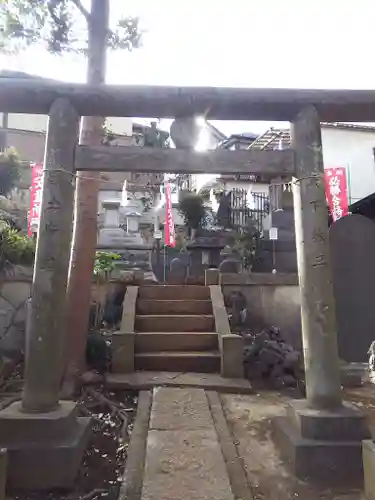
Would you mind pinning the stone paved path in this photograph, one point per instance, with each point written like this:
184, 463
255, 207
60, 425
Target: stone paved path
183, 455
194, 444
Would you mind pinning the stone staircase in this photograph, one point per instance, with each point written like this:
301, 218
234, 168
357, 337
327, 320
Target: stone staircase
175, 330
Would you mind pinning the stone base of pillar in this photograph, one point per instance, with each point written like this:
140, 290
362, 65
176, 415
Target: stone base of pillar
323, 446
368, 454
45, 450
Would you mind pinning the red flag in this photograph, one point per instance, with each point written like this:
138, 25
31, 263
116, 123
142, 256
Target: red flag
36, 190
170, 239
337, 191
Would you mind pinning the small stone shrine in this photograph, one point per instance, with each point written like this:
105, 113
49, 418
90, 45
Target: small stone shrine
135, 253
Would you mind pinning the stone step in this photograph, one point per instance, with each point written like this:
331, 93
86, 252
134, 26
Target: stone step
169, 361
174, 323
146, 306
174, 292
173, 341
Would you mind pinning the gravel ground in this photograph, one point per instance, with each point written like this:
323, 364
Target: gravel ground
100, 476
249, 419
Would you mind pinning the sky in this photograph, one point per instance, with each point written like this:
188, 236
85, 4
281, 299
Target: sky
241, 43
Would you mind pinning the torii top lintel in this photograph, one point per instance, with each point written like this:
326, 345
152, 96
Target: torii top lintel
36, 96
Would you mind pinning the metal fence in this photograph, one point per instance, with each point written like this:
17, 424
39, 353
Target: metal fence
247, 207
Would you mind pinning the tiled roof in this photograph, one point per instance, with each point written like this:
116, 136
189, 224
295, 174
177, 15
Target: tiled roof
278, 138
274, 138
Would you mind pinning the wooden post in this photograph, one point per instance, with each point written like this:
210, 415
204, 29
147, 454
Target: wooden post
23, 95
46, 332
3, 472
318, 315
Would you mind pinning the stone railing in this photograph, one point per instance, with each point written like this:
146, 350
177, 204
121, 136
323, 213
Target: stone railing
230, 345
271, 299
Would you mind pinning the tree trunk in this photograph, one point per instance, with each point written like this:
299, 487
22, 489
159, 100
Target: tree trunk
86, 203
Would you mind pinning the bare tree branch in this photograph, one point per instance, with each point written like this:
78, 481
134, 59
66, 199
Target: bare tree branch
82, 9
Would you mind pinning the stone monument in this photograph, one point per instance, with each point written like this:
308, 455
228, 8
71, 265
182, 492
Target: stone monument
128, 243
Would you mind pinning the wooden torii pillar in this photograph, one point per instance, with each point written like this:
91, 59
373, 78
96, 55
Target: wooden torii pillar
321, 434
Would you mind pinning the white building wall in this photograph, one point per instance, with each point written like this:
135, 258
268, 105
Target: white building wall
256, 188
20, 121
352, 149
38, 123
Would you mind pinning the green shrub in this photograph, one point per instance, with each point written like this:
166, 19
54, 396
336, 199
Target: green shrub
191, 206
9, 171
15, 248
105, 264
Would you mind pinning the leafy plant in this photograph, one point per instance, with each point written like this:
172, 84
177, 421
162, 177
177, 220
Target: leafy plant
9, 171
83, 27
191, 206
15, 248
108, 135
147, 202
245, 245
55, 25
105, 262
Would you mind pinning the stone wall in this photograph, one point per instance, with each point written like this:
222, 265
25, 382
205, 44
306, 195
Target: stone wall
272, 300
16, 289
14, 292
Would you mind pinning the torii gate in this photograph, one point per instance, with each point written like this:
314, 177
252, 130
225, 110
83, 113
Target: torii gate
66, 103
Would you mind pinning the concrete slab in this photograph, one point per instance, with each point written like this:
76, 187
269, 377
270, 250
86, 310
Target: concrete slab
234, 464
49, 464
131, 487
143, 381
185, 464
123, 352
347, 423
185, 409
16, 426
368, 457
331, 463
45, 450
188, 361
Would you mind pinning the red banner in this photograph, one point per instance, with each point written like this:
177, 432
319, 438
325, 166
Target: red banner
170, 238
337, 192
35, 197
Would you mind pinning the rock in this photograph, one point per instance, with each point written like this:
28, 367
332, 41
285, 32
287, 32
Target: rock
230, 266
137, 277
177, 271
351, 379
132, 277
267, 355
91, 378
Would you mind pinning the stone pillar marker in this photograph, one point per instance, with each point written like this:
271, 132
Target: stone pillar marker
319, 331
44, 437
321, 437
46, 332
